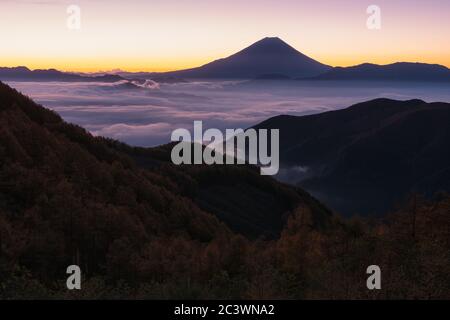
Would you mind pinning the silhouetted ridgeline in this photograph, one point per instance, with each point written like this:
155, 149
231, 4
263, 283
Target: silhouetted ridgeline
370, 156
140, 227
25, 74
267, 59
400, 71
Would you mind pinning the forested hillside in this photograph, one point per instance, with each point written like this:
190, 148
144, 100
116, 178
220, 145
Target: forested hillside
140, 227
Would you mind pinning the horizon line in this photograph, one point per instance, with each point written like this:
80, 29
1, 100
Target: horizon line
146, 70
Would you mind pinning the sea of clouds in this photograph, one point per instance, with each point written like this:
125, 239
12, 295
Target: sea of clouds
145, 113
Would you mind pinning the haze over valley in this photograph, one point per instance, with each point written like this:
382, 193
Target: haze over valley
146, 115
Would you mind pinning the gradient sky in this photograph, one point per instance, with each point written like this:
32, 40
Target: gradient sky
160, 35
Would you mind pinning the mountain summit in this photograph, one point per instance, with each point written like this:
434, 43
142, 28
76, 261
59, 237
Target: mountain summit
267, 56
269, 45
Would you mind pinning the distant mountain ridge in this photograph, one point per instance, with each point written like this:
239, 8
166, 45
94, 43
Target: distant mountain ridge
267, 59
400, 71
25, 74
368, 157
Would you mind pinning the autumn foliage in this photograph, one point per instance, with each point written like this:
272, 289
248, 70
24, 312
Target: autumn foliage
140, 227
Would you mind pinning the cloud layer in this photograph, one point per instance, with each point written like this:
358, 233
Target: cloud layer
145, 113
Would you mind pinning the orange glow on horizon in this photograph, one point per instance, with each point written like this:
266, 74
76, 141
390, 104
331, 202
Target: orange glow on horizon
104, 65
164, 65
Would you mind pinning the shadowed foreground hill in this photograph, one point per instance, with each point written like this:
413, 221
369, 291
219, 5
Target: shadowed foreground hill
141, 228
37, 144
370, 156
67, 195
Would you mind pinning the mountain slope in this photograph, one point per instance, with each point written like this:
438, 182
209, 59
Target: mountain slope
366, 158
132, 222
267, 56
59, 178
401, 71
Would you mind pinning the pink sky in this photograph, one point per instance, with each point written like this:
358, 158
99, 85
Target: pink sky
159, 35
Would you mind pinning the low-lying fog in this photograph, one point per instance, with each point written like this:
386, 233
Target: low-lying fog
145, 114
